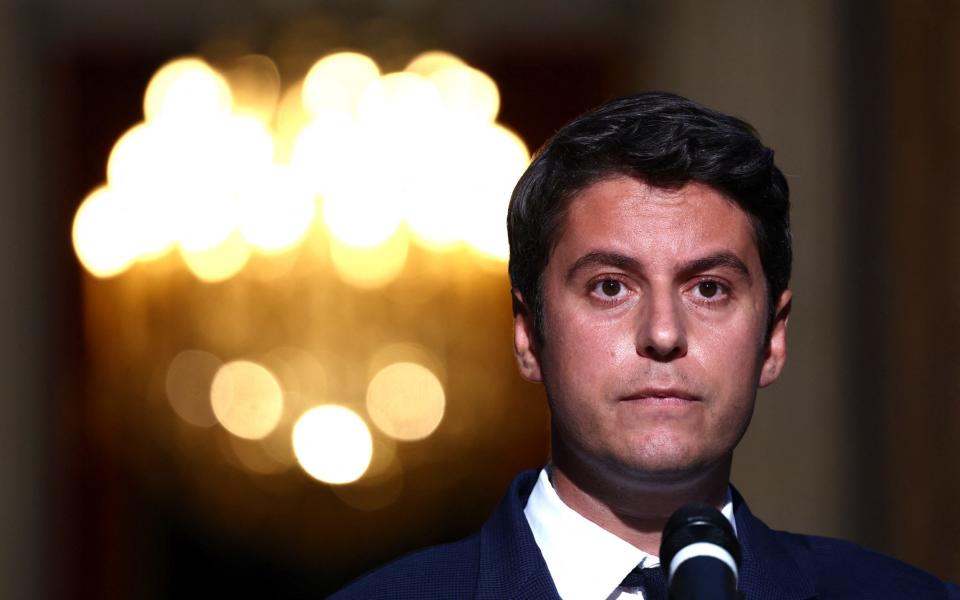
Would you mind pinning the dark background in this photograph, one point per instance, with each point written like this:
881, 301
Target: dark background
860, 100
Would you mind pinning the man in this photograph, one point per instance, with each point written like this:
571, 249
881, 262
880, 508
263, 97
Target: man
650, 256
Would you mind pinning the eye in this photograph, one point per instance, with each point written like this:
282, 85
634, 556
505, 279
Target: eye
610, 287
608, 290
710, 291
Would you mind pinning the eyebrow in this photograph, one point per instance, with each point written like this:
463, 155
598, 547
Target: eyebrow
698, 265
720, 260
605, 259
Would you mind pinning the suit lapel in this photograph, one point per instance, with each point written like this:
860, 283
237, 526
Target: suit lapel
769, 571
511, 565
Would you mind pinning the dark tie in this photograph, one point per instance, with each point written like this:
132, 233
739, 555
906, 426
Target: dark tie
651, 580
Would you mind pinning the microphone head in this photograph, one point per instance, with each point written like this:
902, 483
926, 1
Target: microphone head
697, 523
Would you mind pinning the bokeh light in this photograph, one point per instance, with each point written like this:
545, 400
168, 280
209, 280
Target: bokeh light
139, 169
436, 210
188, 380
301, 374
370, 267
332, 444
254, 457
406, 401
467, 93
246, 399
303, 379
507, 156
327, 152
397, 102
102, 237
276, 210
227, 152
398, 352
187, 91
254, 82
220, 262
362, 216
273, 252
431, 61
336, 82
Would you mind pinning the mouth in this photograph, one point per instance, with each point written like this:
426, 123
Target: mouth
661, 397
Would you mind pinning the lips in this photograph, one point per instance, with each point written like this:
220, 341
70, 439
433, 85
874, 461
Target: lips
661, 397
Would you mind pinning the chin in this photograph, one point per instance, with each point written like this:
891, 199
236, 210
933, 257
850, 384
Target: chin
662, 471
666, 464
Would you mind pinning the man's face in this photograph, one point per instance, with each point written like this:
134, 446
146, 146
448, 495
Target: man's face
655, 321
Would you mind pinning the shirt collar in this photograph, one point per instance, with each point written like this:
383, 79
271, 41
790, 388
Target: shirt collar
585, 560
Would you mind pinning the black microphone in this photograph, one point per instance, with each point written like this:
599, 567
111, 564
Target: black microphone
700, 555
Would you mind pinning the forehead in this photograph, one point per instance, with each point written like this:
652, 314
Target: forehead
625, 214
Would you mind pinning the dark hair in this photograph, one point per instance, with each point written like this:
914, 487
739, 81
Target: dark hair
665, 140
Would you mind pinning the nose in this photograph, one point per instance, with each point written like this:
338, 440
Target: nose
662, 334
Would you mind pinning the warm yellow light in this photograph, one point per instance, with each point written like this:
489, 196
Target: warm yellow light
336, 82
132, 161
255, 86
188, 381
255, 457
213, 163
303, 379
405, 352
363, 217
141, 168
467, 93
399, 102
290, 119
279, 445
405, 400
417, 146
371, 267
504, 156
207, 216
103, 234
186, 90
154, 225
220, 262
246, 399
275, 210
326, 152
345, 165
332, 444
242, 147
432, 61
182, 182
300, 373
443, 178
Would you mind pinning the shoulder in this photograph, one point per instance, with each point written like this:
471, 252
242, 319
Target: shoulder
846, 570
448, 571
782, 564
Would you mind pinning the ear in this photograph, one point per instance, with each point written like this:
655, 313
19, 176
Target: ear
776, 354
524, 345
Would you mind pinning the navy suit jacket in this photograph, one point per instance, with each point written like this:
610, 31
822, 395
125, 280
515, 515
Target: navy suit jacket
503, 561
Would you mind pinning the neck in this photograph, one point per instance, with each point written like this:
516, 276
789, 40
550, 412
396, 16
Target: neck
636, 509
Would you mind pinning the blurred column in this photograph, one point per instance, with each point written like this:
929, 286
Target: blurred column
905, 186
22, 324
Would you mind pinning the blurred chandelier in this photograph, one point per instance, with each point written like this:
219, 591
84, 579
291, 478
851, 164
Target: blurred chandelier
250, 187
219, 169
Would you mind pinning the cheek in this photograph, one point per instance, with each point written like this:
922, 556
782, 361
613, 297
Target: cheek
734, 351
585, 352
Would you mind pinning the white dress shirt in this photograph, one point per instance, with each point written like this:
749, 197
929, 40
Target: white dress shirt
586, 561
